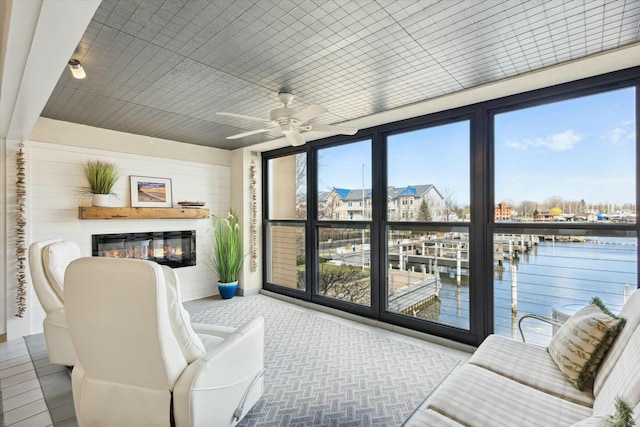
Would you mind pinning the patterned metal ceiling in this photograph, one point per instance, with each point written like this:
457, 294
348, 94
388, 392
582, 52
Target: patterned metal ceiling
163, 68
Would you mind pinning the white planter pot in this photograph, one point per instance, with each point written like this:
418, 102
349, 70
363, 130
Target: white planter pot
101, 200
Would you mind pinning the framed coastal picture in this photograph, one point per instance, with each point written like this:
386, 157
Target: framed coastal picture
149, 192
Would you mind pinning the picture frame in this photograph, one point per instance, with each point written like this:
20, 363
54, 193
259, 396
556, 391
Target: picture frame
151, 192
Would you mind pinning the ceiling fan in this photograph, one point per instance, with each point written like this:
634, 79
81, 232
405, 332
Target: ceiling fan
291, 122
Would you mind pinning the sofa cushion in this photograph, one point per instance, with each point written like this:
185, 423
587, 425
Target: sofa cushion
623, 380
595, 421
475, 396
515, 359
581, 342
631, 312
431, 418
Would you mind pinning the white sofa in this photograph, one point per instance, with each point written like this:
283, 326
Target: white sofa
511, 383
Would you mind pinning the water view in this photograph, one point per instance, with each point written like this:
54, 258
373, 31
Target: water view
564, 275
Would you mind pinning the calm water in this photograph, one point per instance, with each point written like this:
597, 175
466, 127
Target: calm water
549, 274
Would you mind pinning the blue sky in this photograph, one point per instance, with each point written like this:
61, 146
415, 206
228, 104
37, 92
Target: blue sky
582, 148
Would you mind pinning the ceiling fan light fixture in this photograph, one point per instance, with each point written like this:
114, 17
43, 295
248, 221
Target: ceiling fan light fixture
76, 69
286, 129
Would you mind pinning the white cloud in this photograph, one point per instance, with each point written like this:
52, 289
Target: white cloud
618, 135
615, 135
562, 141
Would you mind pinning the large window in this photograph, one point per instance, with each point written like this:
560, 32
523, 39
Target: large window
565, 187
460, 222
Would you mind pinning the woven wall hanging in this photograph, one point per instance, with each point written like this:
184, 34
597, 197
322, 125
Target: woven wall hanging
254, 217
21, 225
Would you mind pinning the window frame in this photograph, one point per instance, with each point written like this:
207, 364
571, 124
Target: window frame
482, 224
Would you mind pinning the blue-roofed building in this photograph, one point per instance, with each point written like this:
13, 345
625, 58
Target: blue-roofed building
403, 203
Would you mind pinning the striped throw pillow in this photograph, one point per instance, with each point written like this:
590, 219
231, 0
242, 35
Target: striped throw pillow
581, 342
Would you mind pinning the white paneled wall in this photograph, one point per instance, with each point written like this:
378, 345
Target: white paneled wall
55, 175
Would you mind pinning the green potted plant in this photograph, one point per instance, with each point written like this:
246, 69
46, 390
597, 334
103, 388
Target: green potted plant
102, 176
228, 255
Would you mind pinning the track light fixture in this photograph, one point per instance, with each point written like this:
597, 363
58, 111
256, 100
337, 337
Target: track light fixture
76, 69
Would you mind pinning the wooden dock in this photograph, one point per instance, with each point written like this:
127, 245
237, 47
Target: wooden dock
411, 299
454, 253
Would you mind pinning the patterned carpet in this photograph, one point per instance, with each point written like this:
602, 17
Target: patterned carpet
324, 373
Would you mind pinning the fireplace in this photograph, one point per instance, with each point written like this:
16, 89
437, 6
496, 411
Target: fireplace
173, 248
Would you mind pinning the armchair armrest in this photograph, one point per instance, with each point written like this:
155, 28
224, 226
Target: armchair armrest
537, 317
216, 330
225, 383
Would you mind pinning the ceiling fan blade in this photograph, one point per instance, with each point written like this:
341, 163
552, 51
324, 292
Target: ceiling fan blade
344, 130
310, 112
251, 132
294, 138
240, 116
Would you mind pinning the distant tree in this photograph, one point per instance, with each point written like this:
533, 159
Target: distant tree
526, 208
553, 202
450, 204
509, 202
582, 206
464, 212
555, 211
424, 213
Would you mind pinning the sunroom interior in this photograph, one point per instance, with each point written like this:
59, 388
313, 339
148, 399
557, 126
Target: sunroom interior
460, 204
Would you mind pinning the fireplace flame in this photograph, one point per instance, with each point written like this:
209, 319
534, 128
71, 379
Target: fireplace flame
167, 252
173, 249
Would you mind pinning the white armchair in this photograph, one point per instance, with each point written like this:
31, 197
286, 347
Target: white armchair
48, 260
140, 361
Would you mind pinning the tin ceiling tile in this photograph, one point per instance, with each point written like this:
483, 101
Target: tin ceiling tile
164, 68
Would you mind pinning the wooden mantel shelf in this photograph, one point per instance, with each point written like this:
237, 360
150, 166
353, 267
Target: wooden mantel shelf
90, 212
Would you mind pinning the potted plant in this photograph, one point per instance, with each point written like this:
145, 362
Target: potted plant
228, 254
102, 176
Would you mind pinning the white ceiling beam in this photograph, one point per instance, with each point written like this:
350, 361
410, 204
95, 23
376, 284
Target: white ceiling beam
38, 39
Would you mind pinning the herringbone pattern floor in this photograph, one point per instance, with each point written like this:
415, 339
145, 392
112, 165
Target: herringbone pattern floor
324, 373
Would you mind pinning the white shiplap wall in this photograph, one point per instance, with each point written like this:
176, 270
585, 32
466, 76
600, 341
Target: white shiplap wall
55, 174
